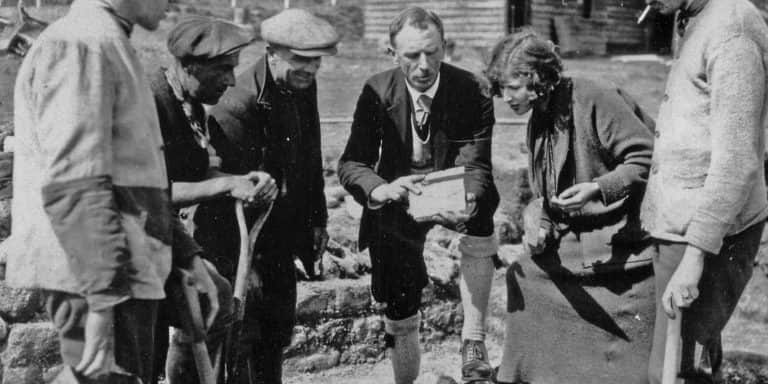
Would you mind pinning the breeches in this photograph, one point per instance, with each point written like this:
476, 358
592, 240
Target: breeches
398, 272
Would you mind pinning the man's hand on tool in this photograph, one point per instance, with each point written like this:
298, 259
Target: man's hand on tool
396, 190
266, 187
200, 272
99, 349
319, 241
242, 188
682, 289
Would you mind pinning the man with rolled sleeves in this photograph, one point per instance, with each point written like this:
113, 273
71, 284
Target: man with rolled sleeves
272, 119
705, 204
206, 52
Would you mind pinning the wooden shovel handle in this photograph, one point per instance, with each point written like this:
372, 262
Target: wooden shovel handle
247, 244
672, 350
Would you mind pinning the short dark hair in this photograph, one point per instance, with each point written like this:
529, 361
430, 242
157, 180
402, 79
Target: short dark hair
414, 16
525, 53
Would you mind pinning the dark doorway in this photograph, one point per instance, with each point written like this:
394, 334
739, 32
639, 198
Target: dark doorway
586, 10
519, 14
660, 31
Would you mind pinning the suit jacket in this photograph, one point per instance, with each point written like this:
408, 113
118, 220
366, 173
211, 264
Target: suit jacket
380, 144
279, 133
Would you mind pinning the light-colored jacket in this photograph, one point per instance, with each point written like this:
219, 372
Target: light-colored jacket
91, 212
707, 173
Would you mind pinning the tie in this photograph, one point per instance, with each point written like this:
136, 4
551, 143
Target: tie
423, 108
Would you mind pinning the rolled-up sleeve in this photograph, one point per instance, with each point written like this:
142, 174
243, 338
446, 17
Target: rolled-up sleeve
737, 92
73, 96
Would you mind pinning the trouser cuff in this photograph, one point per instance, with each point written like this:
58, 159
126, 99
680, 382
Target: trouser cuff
402, 327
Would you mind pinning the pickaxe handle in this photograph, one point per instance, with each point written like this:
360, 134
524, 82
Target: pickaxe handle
194, 326
672, 350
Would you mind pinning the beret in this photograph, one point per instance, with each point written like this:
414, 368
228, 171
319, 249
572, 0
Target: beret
206, 38
301, 32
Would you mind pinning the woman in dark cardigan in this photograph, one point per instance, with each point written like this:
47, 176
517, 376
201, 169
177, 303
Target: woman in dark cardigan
580, 303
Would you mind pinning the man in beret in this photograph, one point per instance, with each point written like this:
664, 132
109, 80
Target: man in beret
423, 116
272, 119
206, 52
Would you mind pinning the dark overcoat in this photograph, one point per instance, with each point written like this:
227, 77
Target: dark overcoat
278, 132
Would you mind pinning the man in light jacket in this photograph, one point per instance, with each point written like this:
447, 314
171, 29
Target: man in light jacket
92, 222
705, 204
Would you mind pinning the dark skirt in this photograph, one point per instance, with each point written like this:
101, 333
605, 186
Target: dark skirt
580, 313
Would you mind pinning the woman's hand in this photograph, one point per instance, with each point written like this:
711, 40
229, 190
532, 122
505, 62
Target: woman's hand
539, 244
575, 197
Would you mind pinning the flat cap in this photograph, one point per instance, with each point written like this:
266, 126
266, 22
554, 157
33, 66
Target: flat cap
301, 32
198, 37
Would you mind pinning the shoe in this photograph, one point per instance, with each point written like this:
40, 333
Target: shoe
474, 362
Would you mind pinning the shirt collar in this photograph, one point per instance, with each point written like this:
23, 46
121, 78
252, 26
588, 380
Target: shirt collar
693, 8
431, 91
124, 23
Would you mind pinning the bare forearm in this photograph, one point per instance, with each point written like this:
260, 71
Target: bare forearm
185, 193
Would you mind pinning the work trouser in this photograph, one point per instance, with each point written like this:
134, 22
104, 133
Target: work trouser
270, 307
134, 335
722, 283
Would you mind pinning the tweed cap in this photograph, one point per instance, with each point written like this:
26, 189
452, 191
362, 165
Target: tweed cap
198, 37
301, 32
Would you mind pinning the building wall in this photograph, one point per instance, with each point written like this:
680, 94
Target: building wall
482, 22
606, 25
469, 22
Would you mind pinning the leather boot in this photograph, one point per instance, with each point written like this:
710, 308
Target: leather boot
474, 362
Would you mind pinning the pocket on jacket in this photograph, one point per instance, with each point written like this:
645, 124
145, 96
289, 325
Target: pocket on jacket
678, 203
685, 180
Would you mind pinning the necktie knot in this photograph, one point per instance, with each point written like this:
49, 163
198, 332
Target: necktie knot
423, 108
425, 103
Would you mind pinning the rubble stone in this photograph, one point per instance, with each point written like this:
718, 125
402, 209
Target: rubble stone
313, 301
353, 299
31, 344
19, 305
316, 362
23, 375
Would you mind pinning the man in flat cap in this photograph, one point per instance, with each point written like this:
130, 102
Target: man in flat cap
272, 119
206, 52
423, 116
